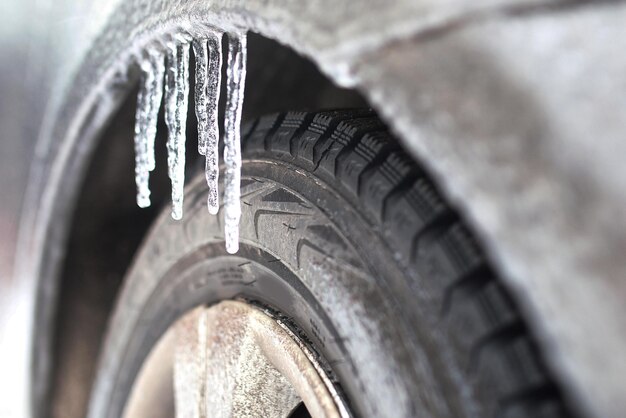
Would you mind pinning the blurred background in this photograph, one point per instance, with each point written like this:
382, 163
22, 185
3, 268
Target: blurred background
35, 38
35, 45
24, 41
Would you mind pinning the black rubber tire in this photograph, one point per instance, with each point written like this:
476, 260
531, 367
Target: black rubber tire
343, 234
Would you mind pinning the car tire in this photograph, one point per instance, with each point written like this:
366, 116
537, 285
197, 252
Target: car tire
346, 238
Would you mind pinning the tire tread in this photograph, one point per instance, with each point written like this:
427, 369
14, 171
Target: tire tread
354, 149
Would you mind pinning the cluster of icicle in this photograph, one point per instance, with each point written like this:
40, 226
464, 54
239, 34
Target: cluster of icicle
173, 67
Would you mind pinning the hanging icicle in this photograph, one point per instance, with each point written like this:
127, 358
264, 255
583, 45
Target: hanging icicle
236, 75
155, 96
142, 173
176, 101
200, 92
148, 103
208, 53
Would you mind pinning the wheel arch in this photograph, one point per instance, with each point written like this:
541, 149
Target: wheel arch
412, 47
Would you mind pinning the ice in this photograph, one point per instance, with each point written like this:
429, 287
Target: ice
200, 91
208, 53
148, 103
141, 147
157, 61
176, 101
175, 70
236, 75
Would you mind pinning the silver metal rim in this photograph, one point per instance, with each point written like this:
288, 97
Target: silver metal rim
231, 359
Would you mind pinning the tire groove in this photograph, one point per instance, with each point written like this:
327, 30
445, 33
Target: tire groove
332, 143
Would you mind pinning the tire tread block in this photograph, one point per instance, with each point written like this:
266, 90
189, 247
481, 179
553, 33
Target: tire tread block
354, 150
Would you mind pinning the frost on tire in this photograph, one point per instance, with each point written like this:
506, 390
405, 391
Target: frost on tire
174, 71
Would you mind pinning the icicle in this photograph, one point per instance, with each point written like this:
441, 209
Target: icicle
208, 54
208, 80
202, 76
141, 147
157, 70
236, 75
148, 103
176, 100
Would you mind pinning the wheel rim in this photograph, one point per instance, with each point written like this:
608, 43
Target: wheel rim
231, 359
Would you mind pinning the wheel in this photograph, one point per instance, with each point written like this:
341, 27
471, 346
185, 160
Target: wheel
348, 246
